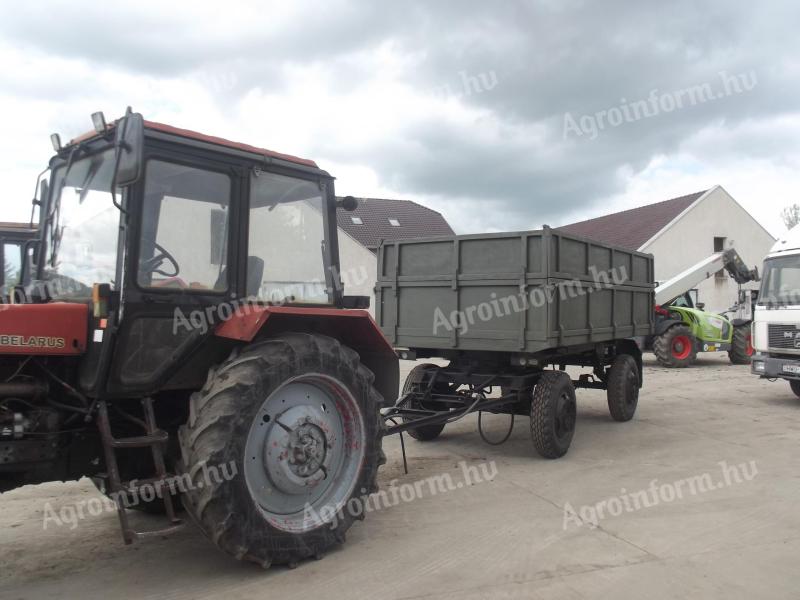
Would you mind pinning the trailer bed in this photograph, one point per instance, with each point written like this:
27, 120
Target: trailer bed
528, 292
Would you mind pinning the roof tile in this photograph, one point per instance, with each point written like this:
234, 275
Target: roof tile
416, 221
632, 228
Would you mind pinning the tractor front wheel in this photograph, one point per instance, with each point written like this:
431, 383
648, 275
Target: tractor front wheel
676, 347
741, 346
282, 446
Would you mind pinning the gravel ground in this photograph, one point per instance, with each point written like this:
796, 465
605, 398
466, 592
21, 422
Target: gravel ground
503, 533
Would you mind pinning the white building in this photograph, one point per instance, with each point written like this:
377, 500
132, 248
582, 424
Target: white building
681, 232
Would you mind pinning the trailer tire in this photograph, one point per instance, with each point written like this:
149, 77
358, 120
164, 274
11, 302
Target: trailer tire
274, 510
741, 345
795, 385
417, 376
553, 414
623, 388
676, 347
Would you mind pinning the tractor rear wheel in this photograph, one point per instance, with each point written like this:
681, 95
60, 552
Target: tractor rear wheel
676, 347
293, 424
623, 388
553, 414
741, 345
417, 380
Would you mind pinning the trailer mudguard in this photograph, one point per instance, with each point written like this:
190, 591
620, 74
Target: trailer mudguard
353, 328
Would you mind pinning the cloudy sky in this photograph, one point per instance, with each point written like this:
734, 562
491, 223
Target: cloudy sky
501, 115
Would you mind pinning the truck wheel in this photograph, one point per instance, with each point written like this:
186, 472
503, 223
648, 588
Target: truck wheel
282, 446
553, 414
623, 388
795, 385
741, 345
676, 347
420, 376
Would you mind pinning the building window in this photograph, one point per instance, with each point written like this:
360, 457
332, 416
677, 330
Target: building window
394, 222
356, 220
719, 246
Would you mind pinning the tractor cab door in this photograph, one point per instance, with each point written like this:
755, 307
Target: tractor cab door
180, 267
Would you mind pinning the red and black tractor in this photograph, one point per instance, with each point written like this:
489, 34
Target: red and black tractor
181, 316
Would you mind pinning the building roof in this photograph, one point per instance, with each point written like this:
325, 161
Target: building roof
372, 221
632, 228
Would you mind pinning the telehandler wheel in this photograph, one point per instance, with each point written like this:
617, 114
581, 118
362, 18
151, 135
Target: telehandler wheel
283, 445
741, 346
420, 376
676, 347
623, 388
795, 385
553, 414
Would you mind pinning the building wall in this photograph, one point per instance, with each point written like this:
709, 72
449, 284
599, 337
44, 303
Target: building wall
691, 239
359, 269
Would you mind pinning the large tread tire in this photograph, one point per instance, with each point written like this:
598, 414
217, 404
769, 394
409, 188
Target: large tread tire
795, 385
741, 345
220, 418
416, 377
623, 388
663, 348
553, 414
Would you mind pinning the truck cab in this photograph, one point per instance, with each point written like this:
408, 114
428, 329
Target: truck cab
776, 321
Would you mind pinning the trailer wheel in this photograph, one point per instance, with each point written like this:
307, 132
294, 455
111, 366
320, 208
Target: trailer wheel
282, 447
795, 385
741, 346
623, 388
419, 376
676, 347
553, 414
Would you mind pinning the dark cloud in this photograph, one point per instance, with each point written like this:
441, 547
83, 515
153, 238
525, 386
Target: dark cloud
542, 59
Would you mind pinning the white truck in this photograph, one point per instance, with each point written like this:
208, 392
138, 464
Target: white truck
776, 319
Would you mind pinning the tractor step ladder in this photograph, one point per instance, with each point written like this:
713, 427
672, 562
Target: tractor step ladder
155, 439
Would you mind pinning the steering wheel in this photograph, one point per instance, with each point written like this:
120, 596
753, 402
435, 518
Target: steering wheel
152, 265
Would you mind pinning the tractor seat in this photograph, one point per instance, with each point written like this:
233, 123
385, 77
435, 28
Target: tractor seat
255, 273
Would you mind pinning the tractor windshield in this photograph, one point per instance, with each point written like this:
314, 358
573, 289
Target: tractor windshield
81, 228
781, 282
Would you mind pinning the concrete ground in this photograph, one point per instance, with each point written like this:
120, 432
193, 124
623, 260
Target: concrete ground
504, 538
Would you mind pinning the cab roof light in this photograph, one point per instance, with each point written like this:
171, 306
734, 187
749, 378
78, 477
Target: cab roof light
99, 122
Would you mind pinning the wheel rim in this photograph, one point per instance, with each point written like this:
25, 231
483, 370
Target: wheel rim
565, 416
681, 346
748, 347
304, 452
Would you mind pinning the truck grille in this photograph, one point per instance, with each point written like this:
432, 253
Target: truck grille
784, 337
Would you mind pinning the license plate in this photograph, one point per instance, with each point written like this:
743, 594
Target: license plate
791, 369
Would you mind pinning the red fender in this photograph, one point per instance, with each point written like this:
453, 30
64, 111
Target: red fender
353, 328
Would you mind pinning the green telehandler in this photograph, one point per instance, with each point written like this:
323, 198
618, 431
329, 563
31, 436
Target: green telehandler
684, 327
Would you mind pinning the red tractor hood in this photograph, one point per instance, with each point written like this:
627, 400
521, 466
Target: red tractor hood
57, 328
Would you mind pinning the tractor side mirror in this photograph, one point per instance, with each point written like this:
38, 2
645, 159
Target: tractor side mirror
347, 203
129, 143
